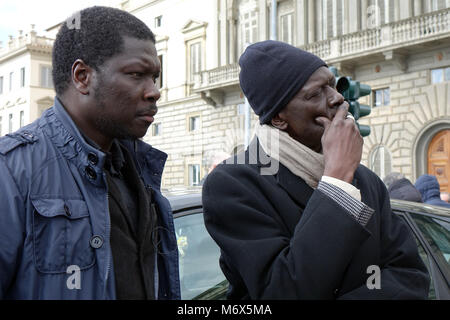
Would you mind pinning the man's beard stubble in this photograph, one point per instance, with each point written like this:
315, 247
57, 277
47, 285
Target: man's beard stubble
102, 122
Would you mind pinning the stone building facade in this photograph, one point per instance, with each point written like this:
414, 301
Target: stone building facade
26, 87
401, 48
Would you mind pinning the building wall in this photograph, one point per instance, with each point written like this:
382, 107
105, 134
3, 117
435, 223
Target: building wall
17, 100
27, 51
416, 103
416, 108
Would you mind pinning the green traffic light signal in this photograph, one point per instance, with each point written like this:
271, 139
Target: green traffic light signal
364, 130
342, 83
353, 90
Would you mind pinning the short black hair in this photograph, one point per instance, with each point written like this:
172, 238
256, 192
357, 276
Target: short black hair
93, 35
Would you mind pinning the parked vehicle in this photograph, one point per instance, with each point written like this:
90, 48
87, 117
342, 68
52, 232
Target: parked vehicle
202, 278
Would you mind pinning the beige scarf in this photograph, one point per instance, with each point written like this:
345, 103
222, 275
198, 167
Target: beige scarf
298, 158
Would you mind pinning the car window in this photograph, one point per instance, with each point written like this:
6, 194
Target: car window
437, 234
198, 256
426, 261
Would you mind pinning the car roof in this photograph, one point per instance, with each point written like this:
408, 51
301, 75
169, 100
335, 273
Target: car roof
191, 197
184, 197
419, 207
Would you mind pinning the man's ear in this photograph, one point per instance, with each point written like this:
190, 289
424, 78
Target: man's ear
279, 123
81, 76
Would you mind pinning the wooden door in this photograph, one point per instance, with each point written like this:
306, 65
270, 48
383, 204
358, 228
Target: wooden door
439, 159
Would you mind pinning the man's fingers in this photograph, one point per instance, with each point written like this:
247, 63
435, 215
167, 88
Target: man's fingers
342, 111
324, 121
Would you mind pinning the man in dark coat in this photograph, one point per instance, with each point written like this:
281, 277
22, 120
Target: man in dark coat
429, 187
403, 189
295, 215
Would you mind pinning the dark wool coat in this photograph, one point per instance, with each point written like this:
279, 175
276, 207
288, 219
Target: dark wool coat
281, 239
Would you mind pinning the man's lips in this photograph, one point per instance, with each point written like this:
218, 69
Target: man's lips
147, 116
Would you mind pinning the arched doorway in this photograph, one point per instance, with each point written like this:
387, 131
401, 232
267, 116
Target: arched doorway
439, 158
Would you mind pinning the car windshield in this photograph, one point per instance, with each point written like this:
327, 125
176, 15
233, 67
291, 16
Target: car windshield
198, 256
437, 234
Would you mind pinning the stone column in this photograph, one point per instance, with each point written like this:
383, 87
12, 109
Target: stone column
403, 9
354, 22
363, 14
311, 21
262, 20
418, 10
222, 16
232, 32
346, 24
302, 22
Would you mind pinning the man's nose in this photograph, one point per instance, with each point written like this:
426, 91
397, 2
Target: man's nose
152, 91
335, 99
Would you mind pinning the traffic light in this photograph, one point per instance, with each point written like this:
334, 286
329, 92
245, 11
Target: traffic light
353, 90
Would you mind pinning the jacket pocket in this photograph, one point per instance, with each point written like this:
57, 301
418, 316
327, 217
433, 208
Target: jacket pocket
61, 235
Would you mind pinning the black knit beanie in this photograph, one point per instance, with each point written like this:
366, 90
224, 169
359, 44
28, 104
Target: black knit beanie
272, 73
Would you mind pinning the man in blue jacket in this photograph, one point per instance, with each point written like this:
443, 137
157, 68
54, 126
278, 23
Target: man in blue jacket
81, 213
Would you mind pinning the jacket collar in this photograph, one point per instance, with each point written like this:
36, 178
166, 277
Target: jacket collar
59, 127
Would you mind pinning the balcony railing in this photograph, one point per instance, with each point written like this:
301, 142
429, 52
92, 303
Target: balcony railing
30, 39
387, 37
217, 77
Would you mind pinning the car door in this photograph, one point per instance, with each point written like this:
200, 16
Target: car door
432, 235
198, 255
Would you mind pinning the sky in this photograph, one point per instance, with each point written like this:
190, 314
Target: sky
18, 15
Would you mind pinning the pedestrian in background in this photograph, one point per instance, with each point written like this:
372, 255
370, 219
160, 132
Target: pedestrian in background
401, 188
428, 186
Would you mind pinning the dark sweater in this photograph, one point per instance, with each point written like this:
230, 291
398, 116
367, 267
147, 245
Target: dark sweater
132, 222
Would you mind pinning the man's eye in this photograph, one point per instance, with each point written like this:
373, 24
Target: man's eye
135, 74
314, 94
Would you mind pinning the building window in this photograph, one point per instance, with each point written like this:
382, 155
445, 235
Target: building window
10, 124
156, 129
241, 109
1, 85
249, 29
22, 118
195, 59
287, 28
381, 97
22, 77
11, 80
194, 174
440, 75
194, 123
381, 161
158, 21
46, 77
434, 5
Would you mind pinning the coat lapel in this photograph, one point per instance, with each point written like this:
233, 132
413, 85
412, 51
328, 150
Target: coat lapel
296, 187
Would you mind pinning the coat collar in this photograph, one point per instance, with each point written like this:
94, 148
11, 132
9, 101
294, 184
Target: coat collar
65, 135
